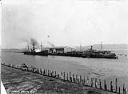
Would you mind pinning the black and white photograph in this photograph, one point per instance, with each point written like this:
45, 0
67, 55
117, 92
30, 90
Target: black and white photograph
64, 46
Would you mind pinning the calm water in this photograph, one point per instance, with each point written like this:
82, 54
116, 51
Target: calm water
101, 68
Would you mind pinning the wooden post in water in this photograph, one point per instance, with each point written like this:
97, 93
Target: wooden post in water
95, 82
36, 70
84, 81
51, 73
64, 76
32, 69
26, 68
119, 89
61, 75
91, 82
67, 76
73, 77
124, 90
58, 76
76, 78
80, 79
48, 73
111, 87
100, 83
55, 73
40, 71
105, 85
116, 84
44, 72
70, 78
87, 81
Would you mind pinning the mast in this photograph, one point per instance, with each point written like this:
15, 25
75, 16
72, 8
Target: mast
101, 46
28, 46
41, 46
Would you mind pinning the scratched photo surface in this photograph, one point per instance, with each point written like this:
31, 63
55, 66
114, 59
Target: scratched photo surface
64, 46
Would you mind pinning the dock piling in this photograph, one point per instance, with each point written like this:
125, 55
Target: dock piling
116, 84
84, 81
91, 82
124, 90
105, 85
67, 76
100, 83
73, 77
87, 81
80, 79
95, 82
119, 89
111, 87
64, 76
76, 80
70, 78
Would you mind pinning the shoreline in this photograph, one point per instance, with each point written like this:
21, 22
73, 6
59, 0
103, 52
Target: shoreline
18, 80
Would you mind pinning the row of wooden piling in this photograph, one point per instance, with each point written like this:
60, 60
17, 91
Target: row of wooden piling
75, 78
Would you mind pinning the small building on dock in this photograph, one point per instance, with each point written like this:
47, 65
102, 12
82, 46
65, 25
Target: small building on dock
56, 50
60, 49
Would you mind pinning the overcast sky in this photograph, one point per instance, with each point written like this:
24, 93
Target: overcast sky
66, 22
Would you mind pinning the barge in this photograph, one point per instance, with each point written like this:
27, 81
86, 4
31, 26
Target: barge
91, 53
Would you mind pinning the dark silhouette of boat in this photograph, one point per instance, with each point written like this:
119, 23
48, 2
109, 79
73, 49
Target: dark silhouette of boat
42, 53
32, 50
91, 53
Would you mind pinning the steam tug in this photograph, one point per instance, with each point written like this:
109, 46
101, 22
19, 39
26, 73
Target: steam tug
42, 53
34, 51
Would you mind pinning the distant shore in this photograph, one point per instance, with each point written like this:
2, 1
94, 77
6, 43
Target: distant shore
16, 80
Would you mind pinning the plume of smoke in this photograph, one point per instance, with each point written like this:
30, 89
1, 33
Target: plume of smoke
33, 42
